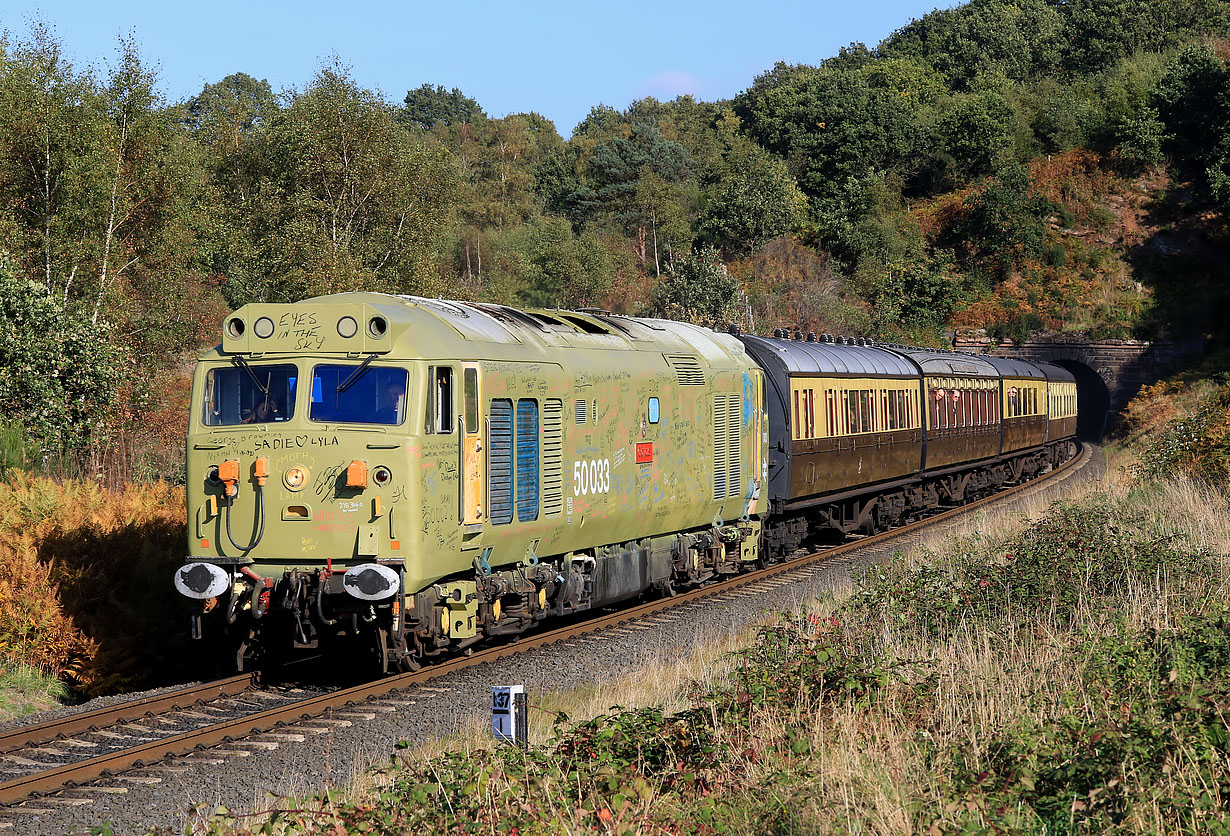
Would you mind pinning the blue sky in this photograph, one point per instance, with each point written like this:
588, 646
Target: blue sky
559, 59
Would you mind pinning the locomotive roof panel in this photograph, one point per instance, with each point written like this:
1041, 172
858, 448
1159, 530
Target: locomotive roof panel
935, 362
418, 327
805, 358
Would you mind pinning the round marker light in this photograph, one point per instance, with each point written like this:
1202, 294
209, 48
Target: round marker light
382, 476
347, 327
234, 327
263, 327
295, 477
376, 326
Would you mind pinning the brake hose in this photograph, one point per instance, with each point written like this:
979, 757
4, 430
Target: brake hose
230, 505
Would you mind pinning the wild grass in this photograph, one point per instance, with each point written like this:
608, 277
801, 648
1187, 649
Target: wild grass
25, 689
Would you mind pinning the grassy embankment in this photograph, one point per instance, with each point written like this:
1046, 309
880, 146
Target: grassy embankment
1069, 676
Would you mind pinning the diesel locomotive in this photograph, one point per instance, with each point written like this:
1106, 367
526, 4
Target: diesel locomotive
419, 475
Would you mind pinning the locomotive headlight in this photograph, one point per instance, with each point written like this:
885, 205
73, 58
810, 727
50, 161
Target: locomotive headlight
382, 476
295, 477
263, 327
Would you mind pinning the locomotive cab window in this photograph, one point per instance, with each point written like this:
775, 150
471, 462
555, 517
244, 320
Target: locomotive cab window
249, 394
440, 399
358, 394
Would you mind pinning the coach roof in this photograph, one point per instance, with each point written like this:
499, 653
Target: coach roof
804, 358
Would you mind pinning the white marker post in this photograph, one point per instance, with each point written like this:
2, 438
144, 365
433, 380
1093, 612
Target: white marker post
510, 715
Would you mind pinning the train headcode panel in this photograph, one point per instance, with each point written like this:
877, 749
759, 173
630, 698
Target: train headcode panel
510, 715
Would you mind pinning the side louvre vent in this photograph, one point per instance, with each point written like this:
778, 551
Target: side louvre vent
582, 412
499, 463
734, 444
552, 457
687, 369
727, 446
527, 460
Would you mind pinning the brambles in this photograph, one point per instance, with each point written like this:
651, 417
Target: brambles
1079, 552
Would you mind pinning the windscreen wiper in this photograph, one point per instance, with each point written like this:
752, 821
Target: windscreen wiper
247, 367
356, 374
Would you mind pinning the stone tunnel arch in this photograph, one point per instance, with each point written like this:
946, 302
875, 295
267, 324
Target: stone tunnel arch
1092, 399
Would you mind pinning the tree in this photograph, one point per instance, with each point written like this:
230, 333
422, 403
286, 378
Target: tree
59, 374
641, 184
358, 203
831, 124
1193, 101
984, 39
427, 106
1003, 223
51, 159
976, 133
561, 269
751, 199
698, 289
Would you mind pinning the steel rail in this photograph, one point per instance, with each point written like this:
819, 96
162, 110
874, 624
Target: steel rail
23, 737
181, 744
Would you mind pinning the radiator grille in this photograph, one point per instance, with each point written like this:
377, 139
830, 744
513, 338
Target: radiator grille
687, 369
527, 460
499, 463
552, 457
727, 446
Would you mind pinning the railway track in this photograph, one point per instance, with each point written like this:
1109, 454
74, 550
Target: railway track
81, 748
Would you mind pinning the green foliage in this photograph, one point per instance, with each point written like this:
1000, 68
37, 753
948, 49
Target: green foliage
1076, 553
1193, 99
1195, 443
560, 269
830, 124
58, 373
1003, 223
1090, 769
352, 201
976, 133
18, 451
752, 201
984, 40
699, 289
426, 107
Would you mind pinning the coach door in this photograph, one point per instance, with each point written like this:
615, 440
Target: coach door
473, 474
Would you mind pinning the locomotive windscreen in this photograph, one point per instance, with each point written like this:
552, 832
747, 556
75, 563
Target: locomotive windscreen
358, 394
248, 394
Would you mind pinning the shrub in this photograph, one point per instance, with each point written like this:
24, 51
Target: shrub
85, 581
1078, 551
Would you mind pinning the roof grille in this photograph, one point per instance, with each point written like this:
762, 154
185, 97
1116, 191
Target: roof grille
687, 369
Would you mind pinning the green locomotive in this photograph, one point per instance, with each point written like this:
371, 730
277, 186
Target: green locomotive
422, 475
